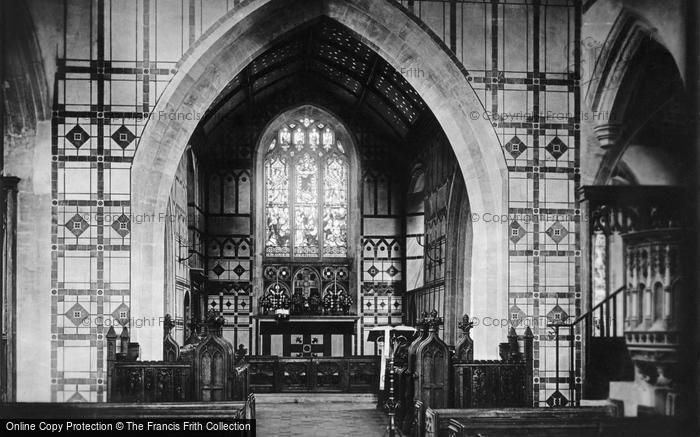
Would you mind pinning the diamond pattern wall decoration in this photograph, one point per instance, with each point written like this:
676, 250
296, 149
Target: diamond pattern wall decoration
218, 270
516, 315
123, 137
556, 148
121, 314
77, 314
516, 232
557, 315
238, 270
373, 271
515, 146
557, 232
557, 400
77, 397
122, 225
77, 225
77, 136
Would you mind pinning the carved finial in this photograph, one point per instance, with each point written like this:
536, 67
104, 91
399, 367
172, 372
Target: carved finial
513, 347
168, 324
214, 322
528, 333
421, 322
241, 352
194, 325
434, 321
465, 324
424, 316
111, 333
124, 340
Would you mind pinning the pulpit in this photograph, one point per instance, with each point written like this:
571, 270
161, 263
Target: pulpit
653, 226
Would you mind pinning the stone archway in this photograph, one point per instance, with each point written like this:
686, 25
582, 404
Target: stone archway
241, 35
616, 79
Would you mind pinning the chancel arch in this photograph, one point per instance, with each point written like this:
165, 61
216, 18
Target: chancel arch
231, 45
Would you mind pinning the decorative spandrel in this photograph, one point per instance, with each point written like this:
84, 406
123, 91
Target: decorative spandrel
306, 192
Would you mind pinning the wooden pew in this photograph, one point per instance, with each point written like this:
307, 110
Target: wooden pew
110, 410
580, 421
548, 426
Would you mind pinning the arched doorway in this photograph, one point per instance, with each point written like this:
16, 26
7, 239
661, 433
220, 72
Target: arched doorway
230, 46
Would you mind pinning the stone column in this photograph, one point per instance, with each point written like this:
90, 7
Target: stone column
8, 288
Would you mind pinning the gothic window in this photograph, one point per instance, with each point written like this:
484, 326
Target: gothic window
306, 192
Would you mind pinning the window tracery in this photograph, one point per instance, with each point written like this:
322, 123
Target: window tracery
306, 192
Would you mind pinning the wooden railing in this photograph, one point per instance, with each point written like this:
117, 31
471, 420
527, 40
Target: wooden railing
273, 374
151, 381
495, 383
604, 321
207, 371
429, 374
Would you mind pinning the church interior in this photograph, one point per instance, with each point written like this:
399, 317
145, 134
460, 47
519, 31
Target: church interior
432, 217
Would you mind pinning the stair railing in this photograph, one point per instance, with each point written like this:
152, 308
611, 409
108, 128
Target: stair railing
605, 319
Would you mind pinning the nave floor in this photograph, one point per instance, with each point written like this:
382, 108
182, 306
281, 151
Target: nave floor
318, 416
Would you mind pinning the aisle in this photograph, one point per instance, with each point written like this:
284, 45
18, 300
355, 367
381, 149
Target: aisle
319, 419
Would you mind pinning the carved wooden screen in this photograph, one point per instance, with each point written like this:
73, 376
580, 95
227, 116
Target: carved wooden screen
433, 367
306, 289
171, 350
212, 363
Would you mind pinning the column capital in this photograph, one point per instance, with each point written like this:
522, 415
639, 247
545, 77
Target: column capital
607, 134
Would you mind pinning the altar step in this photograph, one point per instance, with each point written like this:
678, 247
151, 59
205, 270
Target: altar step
315, 398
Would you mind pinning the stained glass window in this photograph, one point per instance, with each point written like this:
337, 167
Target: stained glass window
306, 185
335, 213
278, 226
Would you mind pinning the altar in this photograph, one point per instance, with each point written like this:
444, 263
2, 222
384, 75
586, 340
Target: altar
307, 336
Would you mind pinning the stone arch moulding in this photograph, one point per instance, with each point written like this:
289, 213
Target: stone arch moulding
233, 42
611, 87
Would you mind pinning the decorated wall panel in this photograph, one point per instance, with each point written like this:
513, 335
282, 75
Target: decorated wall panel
109, 74
523, 60
230, 251
383, 242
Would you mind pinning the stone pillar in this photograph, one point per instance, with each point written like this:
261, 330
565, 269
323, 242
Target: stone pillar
8, 288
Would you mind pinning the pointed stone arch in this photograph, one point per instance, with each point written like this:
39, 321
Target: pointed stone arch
247, 31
